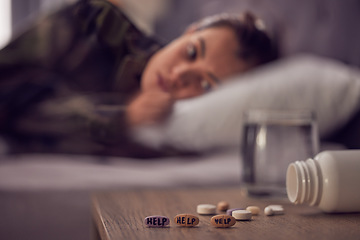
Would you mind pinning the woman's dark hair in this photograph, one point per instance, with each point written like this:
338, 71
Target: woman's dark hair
256, 46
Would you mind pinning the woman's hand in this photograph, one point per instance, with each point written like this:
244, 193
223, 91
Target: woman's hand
149, 108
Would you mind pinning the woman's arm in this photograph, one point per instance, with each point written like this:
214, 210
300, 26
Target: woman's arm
50, 79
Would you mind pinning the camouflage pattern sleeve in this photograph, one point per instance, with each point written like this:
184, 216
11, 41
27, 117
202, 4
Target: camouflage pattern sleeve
63, 84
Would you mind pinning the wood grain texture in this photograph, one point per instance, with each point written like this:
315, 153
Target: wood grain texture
120, 215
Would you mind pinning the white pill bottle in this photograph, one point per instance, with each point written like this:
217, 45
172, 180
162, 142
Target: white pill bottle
330, 181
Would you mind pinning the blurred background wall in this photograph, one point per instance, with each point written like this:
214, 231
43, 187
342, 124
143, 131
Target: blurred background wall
324, 27
16, 15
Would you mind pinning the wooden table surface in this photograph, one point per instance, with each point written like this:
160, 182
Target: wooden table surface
120, 215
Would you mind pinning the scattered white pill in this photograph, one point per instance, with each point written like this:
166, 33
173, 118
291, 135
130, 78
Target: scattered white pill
242, 215
206, 209
229, 211
273, 210
276, 206
268, 211
255, 210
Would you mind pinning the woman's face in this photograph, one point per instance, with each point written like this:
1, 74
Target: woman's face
194, 63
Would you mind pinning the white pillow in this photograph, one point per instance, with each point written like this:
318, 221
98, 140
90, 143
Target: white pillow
305, 82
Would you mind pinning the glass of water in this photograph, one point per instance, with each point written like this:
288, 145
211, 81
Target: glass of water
270, 141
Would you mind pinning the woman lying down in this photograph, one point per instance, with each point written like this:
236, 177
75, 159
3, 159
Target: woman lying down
81, 78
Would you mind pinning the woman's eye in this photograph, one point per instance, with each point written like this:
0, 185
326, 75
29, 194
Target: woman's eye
191, 51
205, 85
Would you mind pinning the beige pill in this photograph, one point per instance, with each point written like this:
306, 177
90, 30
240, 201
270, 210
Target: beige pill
242, 215
223, 221
206, 209
186, 220
255, 210
223, 206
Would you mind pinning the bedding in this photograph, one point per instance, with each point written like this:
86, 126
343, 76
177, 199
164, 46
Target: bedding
49, 172
39, 194
325, 86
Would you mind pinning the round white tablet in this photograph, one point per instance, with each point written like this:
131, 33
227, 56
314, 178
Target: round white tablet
242, 215
206, 209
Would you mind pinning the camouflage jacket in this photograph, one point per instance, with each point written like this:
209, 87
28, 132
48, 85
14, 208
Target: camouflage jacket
64, 82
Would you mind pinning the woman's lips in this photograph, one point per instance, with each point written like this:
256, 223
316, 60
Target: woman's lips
162, 84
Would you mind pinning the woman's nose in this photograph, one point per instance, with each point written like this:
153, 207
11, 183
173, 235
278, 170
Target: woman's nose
184, 76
